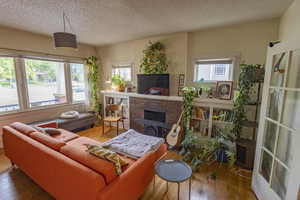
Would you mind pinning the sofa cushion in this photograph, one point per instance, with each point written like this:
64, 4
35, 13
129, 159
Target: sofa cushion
23, 128
76, 150
65, 136
47, 140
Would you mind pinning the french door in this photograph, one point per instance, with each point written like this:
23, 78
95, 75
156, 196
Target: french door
276, 174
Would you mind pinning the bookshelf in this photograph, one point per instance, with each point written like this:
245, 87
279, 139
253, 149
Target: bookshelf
209, 114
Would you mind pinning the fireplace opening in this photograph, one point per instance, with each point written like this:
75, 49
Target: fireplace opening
155, 118
155, 115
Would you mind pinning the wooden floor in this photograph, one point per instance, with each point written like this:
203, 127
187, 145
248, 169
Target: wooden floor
15, 185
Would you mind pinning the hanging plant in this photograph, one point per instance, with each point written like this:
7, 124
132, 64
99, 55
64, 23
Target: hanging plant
249, 75
189, 93
94, 80
154, 59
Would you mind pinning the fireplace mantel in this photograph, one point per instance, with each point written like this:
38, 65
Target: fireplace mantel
197, 101
135, 105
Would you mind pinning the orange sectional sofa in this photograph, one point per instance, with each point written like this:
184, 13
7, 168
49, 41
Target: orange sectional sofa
62, 167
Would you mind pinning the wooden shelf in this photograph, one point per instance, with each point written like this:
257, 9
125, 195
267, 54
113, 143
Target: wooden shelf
222, 122
250, 124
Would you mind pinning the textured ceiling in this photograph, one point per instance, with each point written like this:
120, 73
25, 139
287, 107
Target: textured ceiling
99, 22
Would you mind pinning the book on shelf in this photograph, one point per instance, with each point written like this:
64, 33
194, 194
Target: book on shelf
223, 115
201, 114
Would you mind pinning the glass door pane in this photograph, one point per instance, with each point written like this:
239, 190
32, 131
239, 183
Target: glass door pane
279, 180
293, 78
278, 69
274, 104
270, 136
266, 165
291, 110
285, 146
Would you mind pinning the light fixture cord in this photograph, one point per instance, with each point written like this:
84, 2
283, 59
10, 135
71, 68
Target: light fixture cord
65, 17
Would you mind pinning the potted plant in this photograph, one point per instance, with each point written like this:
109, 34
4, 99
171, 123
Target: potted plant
154, 59
118, 83
202, 150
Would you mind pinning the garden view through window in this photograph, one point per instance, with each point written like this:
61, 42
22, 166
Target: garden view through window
77, 77
45, 82
213, 70
8, 87
123, 71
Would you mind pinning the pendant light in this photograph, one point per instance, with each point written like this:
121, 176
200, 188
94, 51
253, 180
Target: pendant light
64, 39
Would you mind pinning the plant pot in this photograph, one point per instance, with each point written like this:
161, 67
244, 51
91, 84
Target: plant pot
121, 88
221, 156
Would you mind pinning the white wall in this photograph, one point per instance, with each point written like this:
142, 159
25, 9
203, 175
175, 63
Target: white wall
132, 52
248, 42
289, 23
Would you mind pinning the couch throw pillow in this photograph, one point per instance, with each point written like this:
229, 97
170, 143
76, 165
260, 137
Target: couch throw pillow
108, 155
40, 130
52, 131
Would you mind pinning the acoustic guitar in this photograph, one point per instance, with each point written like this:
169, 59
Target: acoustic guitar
172, 137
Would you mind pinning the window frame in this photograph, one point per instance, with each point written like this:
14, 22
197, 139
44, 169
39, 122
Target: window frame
123, 65
214, 60
22, 86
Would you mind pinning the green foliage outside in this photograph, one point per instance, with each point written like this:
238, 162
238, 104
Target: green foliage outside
94, 81
154, 59
7, 72
33, 67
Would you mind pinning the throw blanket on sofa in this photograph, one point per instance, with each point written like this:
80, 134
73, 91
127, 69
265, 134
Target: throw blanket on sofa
133, 144
108, 155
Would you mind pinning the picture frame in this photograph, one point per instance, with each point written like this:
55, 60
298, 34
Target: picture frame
224, 90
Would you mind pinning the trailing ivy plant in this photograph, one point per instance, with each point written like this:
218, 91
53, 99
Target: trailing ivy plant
94, 80
249, 75
189, 93
154, 59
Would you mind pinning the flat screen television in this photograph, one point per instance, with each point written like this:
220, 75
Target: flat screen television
154, 84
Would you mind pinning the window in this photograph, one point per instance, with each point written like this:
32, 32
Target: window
8, 87
220, 69
213, 70
78, 82
123, 71
45, 82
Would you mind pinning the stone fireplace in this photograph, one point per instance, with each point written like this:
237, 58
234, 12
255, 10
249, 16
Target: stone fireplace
153, 116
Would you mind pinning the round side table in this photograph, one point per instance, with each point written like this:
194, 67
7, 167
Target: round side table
174, 171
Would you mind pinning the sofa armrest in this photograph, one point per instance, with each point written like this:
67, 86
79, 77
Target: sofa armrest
135, 179
52, 124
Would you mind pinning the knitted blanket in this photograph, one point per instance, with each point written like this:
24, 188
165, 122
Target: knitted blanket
133, 144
